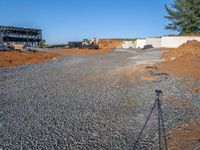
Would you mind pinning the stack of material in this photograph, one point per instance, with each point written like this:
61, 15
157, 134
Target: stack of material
16, 46
109, 44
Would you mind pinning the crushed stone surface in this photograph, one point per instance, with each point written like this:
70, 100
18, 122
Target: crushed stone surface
62, 104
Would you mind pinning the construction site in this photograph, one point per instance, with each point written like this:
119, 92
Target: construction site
98, 93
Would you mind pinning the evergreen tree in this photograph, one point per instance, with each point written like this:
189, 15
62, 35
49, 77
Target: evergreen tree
184, 16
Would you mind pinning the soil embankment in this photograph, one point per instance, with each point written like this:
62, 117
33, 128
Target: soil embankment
109, 44
14, 58
82, 51
183, 61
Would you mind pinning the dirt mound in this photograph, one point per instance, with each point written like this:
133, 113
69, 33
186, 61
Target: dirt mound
82, 51
190, 49
186, 136
14, 58
109, 44
183, 61
190, 44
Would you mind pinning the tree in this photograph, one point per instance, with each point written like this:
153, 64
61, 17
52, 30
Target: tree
184, 16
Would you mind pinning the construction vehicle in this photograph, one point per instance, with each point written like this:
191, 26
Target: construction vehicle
90, 44
85, 44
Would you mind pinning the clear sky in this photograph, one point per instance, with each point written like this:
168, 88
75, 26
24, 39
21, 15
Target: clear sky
65, 20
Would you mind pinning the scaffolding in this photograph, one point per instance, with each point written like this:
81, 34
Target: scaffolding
18, 35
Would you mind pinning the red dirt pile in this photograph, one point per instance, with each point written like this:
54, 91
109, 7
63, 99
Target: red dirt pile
188, 50
186, 136
109, 44
82, 51
14, 58
183, 61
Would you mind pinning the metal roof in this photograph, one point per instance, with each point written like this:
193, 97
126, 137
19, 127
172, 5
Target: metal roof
18, 29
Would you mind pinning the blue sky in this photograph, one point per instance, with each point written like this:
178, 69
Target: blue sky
65, 20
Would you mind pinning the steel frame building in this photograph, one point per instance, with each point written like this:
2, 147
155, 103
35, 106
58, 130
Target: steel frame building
18, 35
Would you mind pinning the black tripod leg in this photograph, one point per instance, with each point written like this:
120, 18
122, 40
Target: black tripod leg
159, 126
134, 147
163, 126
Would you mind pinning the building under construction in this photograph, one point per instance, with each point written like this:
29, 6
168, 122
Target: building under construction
18, 35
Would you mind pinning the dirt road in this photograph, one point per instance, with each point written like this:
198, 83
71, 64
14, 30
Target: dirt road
95, 102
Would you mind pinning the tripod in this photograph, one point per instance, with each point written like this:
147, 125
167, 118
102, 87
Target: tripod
161, 127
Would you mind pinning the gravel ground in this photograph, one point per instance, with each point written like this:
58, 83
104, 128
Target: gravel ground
63, 104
